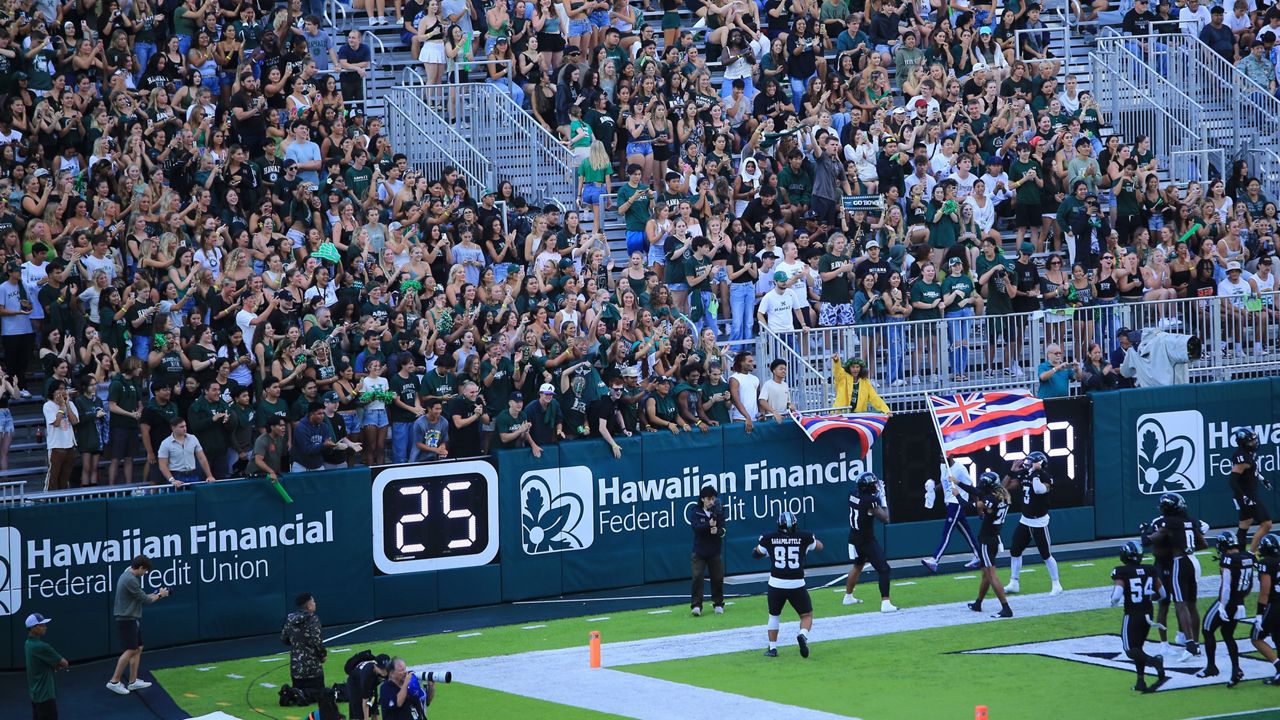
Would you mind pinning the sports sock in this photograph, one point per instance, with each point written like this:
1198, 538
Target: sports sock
884, 584
1210, 650
773, 644
1232, 651
805, 633
1051, 564
1015, 568
1243, 536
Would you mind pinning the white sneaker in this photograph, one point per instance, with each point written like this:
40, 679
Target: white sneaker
139, 684
1056, 589
1180, 639
696, 612
930, 494
1187, 657
851, 600
719, 610
915, 379
118, 688
1012, 587
24, 394
887, 607
1017, 372
898, 383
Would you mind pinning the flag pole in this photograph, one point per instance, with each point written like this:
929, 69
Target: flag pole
937, 429
795, 417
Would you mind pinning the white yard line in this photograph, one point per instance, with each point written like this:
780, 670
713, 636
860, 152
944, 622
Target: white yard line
1235, 714
637, 696
354, 629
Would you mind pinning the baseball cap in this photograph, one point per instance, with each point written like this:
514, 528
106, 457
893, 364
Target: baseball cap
547, 389
331, 397
985, 30
289, 163
899, 111
995, 160
631, 371
284, 295
980, 66
35, 619
1234, 265
1027, 248
1035, 141
779, 277
395, 226
662, 379
955, 261
872, 243
517, 396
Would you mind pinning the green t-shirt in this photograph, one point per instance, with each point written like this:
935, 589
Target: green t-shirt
124, 393
267, 410
719, 410
181, 24
943, 233
998, 300
591, 175
694, 265
638, 212
925, 292
584, 141
836, 290
1127, 197
42, 661
407, 389
798, 184
436, 385
1028, 193
503, 424
497, 393
950, 284
358, 181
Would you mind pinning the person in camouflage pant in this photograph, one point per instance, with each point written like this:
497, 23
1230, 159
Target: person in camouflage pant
306, 647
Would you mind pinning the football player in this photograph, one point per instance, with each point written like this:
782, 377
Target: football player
1174, 537
1267, 623
1244, 487
1031, 478
786, 548
1135, 585
990, 500
1228, 609
865, 505
957, 517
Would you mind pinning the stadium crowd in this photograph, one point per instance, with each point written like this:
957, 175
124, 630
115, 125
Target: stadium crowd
203, 231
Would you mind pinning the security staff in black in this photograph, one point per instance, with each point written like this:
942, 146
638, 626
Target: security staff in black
362, 687
1229, 608
1266, 624
786, 549
1174, 537
990, 500
1030, 479
865, 506
708, 538
1244, 487
1136, 585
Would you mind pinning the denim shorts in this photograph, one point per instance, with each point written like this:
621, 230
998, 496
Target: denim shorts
6, 421
578, 28
639, 148
351, 420
720, 274
375, 418
678, 287
599, 18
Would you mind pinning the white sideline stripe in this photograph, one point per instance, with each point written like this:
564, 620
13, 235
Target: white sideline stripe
475, 634
234, 676
659, 612
904, 583
354, 629
338, 650
598, 619
637, 696
1082, 565
1028, 570
207, 669
837, 580
272, 659
964, 577
405, 642
532, 627
267, 685
608, 599
1235, 714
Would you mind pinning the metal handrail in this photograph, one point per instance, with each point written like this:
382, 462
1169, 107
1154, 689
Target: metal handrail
1061, 30
331, 18
1200, 163
471, 64
1157, 108
1264, 164
443, 144
410, 77
376, 48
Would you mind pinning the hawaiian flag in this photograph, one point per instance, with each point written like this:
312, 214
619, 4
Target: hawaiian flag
972, 421
868, 426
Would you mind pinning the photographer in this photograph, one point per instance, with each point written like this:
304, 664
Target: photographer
708, 537
401, 698
302, 633
1056, 375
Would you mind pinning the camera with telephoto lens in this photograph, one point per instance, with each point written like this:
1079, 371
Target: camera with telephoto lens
445, 677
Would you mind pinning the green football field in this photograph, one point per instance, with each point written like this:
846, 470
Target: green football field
924, 673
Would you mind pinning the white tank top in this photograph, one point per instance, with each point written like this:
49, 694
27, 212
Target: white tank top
748, 393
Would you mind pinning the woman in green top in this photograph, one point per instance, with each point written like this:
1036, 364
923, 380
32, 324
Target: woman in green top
926, 299
88, 440
595, 180
660, 408
943, 219
958, 298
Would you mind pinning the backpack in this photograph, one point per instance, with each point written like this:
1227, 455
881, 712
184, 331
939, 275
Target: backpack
354, 661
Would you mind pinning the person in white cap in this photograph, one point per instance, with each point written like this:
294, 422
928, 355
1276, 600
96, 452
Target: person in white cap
1237, 316
42, 662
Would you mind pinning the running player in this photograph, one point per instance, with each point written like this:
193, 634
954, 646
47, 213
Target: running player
990, 500
1031, 478
1136, 585
1267, 623
1237, 583
957, 517
1244, 487
865, 505
1174, 537
787, 548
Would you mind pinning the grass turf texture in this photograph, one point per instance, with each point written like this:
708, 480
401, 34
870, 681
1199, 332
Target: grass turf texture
919, 674
212, 690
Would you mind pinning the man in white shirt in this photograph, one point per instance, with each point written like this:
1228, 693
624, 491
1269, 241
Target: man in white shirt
1193, 18
246, 318
775, 395
997, 182
34, 273
947, 479
776, 307
925, 104
744, 389
796, 281
180, 455
1237, 316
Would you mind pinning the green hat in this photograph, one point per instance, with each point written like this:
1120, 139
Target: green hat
327, 251
1027, 248
848, 364
780, 277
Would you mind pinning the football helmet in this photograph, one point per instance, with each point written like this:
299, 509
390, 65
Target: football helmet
1269, 547
1244, 438
989, 481
788, 522
1171, 503
1226, 542
1037, 457
868, 482
1131, 553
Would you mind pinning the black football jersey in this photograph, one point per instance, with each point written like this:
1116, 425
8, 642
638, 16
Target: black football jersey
786, 553
1175, 536
993, 516
1270, 568
1140, 585
1237, 585
861, 515
1245, 482
1034, 505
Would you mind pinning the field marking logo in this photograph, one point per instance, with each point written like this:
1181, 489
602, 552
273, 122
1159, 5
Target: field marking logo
10, 570
1105, 651
1170, 452
557, 510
